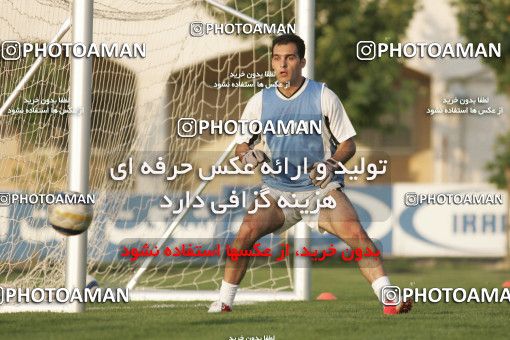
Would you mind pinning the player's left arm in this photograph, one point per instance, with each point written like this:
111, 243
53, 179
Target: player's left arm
345, 151
341, 130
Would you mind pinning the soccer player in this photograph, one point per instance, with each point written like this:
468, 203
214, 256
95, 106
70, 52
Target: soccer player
300, 99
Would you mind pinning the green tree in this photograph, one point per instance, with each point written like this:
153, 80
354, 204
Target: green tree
499, 168
488, 22
372, 91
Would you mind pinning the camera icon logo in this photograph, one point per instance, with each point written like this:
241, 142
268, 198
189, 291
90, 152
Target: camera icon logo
5, 199
365, 50
411, 199
197, 29
11, 50
391, 295
187, 127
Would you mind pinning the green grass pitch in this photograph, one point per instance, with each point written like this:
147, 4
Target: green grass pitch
354, 315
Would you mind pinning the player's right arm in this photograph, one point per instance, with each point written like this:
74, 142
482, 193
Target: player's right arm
247, 141
242, 149
249, 156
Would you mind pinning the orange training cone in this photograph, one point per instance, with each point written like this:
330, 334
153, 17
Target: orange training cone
326, 296
506, 284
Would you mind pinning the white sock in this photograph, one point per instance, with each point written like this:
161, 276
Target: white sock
378, 285
228, 293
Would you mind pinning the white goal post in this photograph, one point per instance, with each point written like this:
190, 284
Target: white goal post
120, 108
79, 141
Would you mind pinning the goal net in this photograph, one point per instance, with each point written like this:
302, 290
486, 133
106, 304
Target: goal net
136, 106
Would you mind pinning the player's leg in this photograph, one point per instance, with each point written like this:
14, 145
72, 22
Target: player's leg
343, 222
253, 227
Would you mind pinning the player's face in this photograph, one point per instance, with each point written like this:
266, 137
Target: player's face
286, 63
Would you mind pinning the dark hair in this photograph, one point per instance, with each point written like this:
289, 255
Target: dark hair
290, 38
